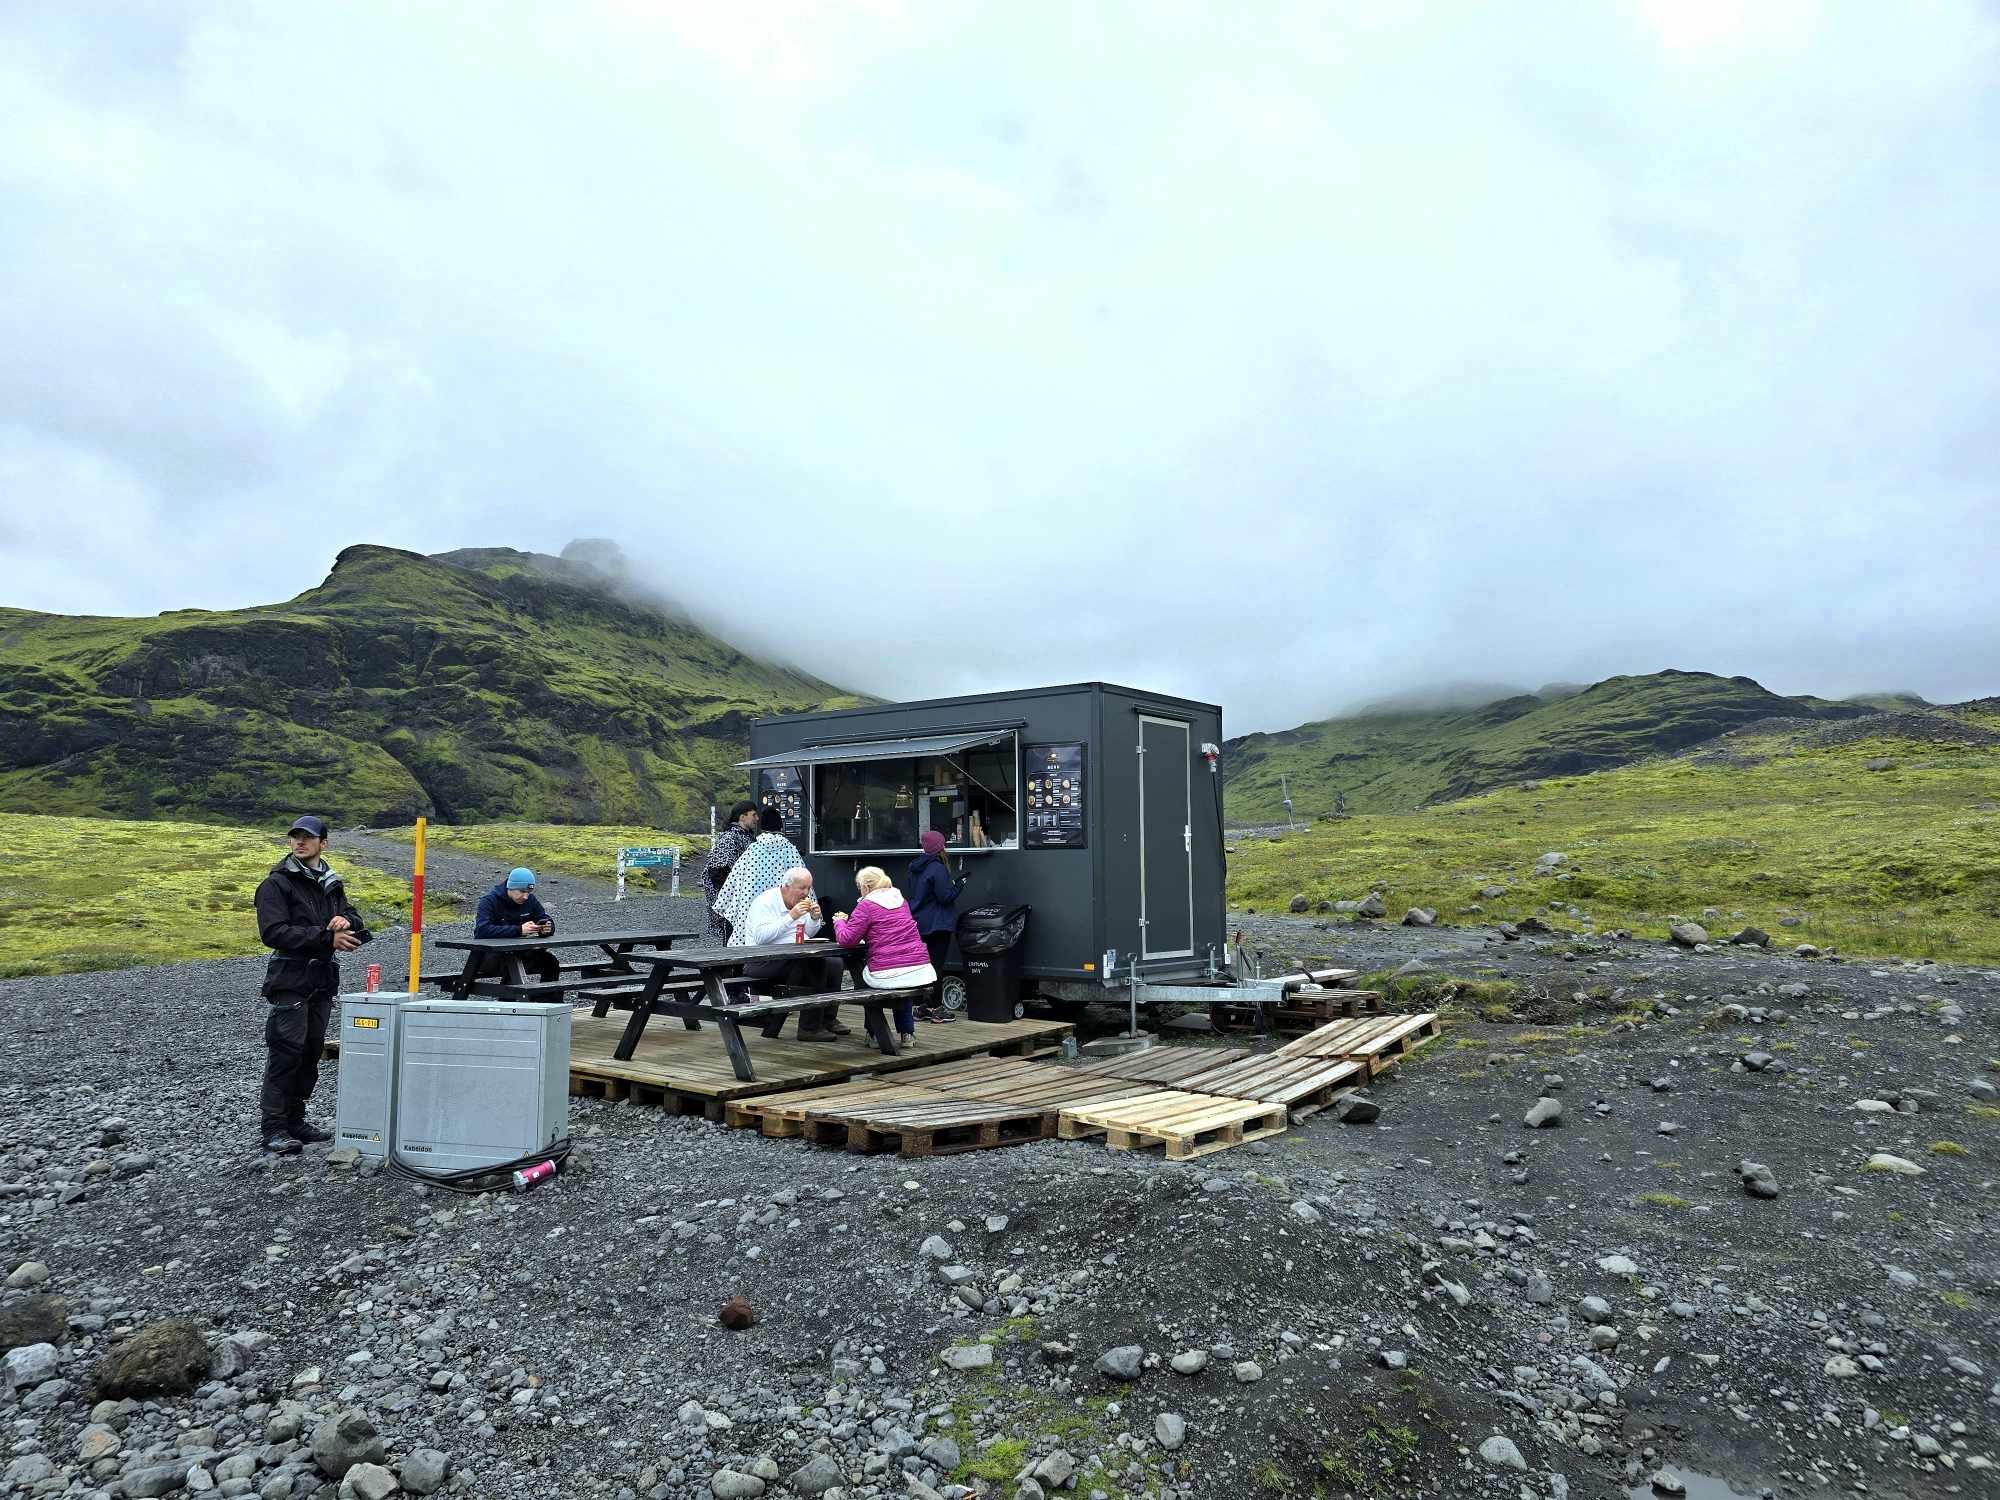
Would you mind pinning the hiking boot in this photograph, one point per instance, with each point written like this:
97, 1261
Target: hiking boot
839, 1030
279, 1144
309, 1134
817, 1035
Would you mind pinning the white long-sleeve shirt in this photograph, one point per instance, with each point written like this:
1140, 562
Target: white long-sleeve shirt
769, 920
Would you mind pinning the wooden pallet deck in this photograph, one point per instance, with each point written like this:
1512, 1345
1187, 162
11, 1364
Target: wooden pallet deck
1186, 1125
1304, 1085
687, 1071
1377, 1041
784, 1115
935, 1128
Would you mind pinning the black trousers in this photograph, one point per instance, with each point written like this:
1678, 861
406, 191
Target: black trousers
817, 973
939, 944
294, 1031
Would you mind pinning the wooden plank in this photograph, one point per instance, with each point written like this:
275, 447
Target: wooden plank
1378, 1039
1302, 1084
1186, 1125
1163, 1064
937, 1127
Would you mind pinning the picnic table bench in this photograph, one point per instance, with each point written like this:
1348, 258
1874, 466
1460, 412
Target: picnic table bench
719, 971
605, 976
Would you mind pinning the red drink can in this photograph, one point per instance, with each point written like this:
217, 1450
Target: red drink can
374, 978
798, 934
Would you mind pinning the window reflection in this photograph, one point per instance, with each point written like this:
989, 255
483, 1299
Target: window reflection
884, 806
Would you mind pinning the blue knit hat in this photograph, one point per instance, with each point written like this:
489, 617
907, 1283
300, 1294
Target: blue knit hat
520, 878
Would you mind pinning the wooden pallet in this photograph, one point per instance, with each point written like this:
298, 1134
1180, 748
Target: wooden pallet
1304, 1085
1187, 1125
782, 1116
1163, 1064
937, 1128
1299, 1012
1378, 1041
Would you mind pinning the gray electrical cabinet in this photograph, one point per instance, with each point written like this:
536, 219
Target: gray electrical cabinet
479, 1082
365, 1106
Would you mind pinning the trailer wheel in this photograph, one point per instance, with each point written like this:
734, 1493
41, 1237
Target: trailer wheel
951, 994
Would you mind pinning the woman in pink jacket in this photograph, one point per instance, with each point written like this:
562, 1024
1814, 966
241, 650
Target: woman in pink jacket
897, 957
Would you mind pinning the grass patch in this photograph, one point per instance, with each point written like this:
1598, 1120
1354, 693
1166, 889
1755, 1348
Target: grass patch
1663, 1200
79, 895
1983, 1111
1956, 1301
1904, 862
1948, 1148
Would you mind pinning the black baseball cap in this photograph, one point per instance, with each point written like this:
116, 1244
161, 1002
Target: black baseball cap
308, 824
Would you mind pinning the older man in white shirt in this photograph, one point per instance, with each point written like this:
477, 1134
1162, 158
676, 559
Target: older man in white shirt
776, 917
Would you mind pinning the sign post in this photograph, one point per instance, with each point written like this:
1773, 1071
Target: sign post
650, 858
417, 911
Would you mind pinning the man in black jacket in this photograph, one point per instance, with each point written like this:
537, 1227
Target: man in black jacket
304, 918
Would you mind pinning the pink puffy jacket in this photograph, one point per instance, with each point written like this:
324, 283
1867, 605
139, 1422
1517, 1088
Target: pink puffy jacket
882, 920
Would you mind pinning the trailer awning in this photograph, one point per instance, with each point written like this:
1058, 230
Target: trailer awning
849, 754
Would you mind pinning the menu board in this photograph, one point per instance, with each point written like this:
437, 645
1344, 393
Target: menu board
1055, 795
780, 786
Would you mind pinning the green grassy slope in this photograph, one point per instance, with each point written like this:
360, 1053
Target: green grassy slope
1903, 860
486, 688
1393, 762
80, 894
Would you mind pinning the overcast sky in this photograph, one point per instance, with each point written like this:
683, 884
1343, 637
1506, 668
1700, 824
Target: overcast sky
1279, 355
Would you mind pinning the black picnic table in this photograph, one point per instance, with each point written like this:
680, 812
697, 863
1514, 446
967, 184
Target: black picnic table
512, 982
717, 969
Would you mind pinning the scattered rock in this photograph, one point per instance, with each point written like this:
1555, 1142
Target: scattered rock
1420, 916
1356, 1109
161, 1359
817, 1475
33, 1320
1501, 1453
1247, 1371
1300, 905
344, 1440
1170, 1430
1190, 1362
1759, 1181
1372, 906
1122, 1363
1688, 934
732, 1484
425, 1470
1545, 1112
1882, 1161
369, 1482
1617, 1265
737, 1313
969, 1356
30, 1365
1752, 937
27, 1273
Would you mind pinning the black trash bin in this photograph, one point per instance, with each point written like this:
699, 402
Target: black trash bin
989, 938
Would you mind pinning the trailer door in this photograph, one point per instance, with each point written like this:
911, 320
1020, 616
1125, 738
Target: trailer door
1166, 845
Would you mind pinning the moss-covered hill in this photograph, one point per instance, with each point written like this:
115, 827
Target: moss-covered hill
476, 686
1397, 761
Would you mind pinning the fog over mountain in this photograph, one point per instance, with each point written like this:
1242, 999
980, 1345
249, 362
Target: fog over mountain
1290, 357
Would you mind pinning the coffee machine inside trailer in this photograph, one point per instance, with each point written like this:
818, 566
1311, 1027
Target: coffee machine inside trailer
1098, 807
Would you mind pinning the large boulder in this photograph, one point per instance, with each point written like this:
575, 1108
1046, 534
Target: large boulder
161, 1359
1420, 916
1373, 906
1688, 934
1300, 904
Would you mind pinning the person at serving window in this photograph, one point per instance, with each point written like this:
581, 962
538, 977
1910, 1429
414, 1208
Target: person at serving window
934, 906
897, 958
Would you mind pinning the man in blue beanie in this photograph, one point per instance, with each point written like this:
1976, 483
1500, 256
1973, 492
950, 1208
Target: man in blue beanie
512, 910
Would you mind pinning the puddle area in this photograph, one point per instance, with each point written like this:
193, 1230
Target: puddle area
1695, 1487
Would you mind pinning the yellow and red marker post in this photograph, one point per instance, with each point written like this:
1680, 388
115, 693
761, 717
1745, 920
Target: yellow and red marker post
417, 913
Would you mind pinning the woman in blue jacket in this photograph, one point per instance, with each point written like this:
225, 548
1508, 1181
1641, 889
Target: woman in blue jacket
934, 903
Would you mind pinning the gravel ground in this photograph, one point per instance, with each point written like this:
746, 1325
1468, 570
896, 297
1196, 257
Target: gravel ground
1396, 1307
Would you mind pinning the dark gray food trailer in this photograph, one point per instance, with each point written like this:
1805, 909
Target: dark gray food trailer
1098, 807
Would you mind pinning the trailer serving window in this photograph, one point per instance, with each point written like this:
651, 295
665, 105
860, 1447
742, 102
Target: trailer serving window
881, 797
